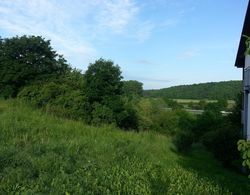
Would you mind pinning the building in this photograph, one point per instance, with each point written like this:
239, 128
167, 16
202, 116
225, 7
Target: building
244, 62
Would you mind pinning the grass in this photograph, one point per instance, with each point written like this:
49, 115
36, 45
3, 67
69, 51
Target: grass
43, 154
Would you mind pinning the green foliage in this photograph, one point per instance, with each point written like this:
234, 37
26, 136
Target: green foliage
102, 114
235, 116
222, 143
215, 90
103, 92
202, 104
26, 59
132, 88
247, 43
42, 154
173, 104
210, 120
103, 80
152, 117
62, 96
220, 134
244, 148
184, 137
222, 104
183, 140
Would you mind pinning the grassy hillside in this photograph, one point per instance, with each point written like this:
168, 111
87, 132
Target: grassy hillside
40, 153
214, 90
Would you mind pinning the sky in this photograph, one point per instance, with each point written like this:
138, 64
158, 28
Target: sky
160, 43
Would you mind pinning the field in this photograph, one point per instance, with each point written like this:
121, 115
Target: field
184, 102
44, 154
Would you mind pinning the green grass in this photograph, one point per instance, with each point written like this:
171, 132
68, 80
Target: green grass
43, 154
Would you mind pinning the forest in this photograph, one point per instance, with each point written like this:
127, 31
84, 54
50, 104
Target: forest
212, 91
63, 131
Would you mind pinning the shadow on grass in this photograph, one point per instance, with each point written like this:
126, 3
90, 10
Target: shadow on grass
202, 162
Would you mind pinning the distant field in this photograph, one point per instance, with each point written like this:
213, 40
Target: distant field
42, 154
231, 103
185, 101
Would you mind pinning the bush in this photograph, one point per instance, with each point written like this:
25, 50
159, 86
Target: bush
210, 120
184, 137
152, 116
244, 148
59, 99
183, 140
102, 115
128, 119
222, 143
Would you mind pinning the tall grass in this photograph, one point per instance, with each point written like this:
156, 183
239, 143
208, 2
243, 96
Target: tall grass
41, 153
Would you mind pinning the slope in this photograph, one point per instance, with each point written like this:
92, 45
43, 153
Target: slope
44, 154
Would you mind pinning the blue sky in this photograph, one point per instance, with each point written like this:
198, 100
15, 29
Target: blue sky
160, 43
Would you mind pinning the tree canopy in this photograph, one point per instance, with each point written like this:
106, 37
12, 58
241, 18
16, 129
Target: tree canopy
26, 59
103, 90
132, 88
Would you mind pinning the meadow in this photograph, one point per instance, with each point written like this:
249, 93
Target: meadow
43, 154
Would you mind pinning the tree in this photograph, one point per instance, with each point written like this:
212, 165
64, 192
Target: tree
103, 90
103, 80
132, 88
26, 59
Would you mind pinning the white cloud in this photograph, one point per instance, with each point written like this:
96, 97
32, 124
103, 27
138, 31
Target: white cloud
72, 26
116, 15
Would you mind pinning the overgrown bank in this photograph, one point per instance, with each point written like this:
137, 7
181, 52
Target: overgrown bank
44, 154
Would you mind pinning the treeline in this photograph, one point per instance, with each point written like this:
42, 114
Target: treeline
32, 71
215, 90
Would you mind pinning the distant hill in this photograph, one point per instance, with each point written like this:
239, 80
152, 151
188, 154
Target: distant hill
213, 90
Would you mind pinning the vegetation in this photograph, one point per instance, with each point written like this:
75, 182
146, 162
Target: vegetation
45, 154
62, 96
247, 43
244, 148
27, 59
132, 88
218, 133
42, 154
215, 90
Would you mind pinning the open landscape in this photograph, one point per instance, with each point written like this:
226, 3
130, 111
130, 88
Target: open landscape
124, 97
41, 153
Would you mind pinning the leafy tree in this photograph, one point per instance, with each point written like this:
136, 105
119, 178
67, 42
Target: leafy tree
103, 92
26, 59
102, 81
132, 88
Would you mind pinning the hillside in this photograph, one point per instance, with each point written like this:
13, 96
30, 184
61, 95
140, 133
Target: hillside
214, 90
42, 154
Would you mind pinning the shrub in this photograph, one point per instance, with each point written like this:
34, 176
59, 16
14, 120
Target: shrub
102, 114
222, 143
183, 140
59, 99
152, 116
184, 137
244, 148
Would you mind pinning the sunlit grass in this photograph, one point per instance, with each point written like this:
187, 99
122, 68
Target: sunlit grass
41, 153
